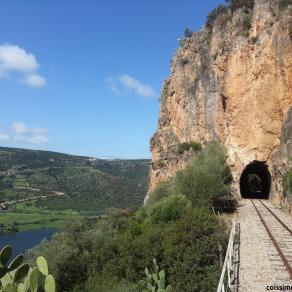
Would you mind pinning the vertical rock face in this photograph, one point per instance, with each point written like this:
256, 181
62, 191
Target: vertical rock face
281, 159
231, 81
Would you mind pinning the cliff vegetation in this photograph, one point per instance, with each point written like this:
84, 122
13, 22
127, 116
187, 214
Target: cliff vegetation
177, 228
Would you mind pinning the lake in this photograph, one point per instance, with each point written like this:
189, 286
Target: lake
22, 241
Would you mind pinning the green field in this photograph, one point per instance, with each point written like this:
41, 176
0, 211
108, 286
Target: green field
27, 216
11, 221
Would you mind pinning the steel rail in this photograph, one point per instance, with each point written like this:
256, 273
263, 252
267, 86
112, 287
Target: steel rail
282, 223
280, 252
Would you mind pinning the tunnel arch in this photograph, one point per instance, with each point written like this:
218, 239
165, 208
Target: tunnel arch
255, 181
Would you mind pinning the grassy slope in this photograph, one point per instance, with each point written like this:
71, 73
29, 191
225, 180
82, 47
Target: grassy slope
89, 186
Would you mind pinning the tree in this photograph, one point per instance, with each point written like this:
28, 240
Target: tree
188, 32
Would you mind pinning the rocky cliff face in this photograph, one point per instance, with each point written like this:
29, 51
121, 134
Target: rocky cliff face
281, 159
231, 81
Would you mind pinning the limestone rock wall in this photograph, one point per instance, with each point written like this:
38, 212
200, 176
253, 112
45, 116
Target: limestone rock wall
233, 82
281, 159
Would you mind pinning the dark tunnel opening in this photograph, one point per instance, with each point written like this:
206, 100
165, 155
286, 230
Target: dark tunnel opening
255, 181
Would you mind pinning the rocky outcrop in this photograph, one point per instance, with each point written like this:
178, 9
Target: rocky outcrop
282, 158
231, 81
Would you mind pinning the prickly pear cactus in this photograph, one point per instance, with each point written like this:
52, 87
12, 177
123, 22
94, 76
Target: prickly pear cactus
19, 277
156, 281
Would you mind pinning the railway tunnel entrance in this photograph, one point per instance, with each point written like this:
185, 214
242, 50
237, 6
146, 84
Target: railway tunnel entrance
255, 181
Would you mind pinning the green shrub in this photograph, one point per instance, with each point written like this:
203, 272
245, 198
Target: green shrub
254, 39
183, 147
205, 178
191, 257
162, 190
235, 4
287, 183
161, 163
212, 16
188, 32
68, 255
283, 4
116, 212
141, 214
109, 286
202, 182
186, 146
125, 287
195, 146
182, 61
168, 209
111, 253
246, 22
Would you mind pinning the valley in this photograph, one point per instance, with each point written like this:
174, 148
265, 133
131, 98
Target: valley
42, 189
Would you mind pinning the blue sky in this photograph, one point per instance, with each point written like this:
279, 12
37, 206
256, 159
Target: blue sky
84, 77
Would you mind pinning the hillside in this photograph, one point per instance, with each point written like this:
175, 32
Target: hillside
81, 183
176, 228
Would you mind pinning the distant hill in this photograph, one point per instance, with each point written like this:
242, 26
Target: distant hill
89, 184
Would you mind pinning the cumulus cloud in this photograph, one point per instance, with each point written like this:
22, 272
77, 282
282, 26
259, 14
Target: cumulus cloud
15, 60
22, 133
120, 83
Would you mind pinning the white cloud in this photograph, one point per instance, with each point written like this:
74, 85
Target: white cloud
29, 135
20, 128
136, 86
35, 80
125, 81
3, 137
15, 60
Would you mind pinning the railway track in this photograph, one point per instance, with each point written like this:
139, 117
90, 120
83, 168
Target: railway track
280, 236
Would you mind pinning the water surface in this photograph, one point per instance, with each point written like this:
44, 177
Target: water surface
24, 240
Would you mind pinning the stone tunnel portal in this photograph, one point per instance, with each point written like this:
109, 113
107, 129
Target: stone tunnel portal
255, 181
